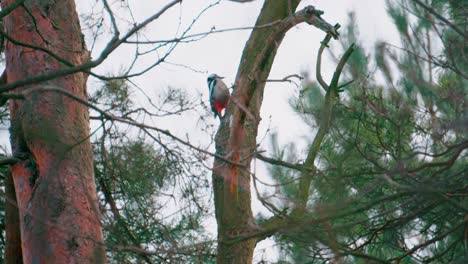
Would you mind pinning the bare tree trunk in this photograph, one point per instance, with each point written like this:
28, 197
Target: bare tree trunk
236, 137
13, 239
54, 183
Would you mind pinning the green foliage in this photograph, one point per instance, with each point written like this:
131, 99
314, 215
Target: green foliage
131, 178
280, 174
399, 16
358, 62
151, 206
146, 204
114, 95
391, 185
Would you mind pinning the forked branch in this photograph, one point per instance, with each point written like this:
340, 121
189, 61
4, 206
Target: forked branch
308, 169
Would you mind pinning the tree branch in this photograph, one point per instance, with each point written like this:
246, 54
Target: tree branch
428, 242
10, 8
298, 167
318, 69
112, 45
129, 121
237, 132
327, 110
4, 161
283, 225
440, 17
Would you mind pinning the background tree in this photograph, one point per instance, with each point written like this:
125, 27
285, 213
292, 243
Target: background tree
391, 185
137, 181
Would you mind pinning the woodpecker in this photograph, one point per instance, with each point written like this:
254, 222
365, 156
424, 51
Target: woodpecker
219, 94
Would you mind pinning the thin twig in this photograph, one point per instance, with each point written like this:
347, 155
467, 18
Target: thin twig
450, 24
111, 46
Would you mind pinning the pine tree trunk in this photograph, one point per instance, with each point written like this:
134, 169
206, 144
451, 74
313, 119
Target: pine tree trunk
236, 138
54, 183
13, 239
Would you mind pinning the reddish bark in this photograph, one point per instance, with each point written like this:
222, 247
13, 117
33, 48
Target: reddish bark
54, 184
13, 239
236, 137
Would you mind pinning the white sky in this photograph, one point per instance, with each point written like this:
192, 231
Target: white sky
220, 53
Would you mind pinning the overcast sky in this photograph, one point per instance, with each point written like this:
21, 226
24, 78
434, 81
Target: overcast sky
220, 53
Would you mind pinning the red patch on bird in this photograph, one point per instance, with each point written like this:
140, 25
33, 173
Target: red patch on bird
219, 107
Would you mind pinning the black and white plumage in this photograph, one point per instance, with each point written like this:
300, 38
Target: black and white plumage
219, 94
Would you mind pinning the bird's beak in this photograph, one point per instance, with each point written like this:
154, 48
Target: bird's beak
221, 77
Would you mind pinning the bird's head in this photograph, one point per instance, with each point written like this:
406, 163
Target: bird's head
214, 76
